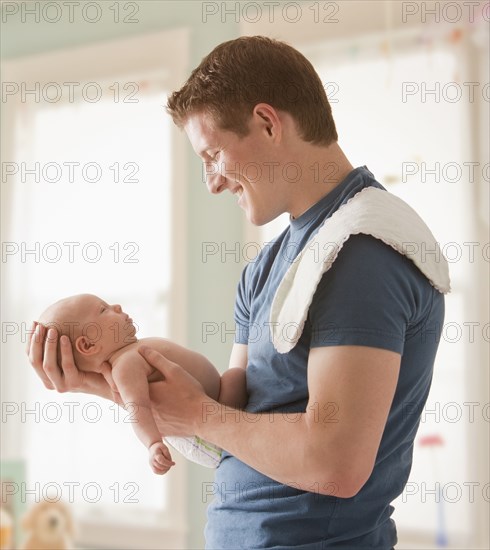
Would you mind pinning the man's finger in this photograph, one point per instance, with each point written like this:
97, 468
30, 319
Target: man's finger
68, 367
36, 355
36, 348
31, 334
50, 363
157, 360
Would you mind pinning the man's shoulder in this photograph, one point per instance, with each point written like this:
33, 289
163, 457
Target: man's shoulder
364, 255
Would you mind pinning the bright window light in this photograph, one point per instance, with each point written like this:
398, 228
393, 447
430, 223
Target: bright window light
103, 228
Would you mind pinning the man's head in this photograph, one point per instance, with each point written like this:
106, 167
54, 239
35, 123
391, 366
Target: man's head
96, 329
257, 114
239, 74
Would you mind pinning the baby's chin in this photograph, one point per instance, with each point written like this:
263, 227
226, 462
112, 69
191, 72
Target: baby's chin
132, 333
131, 339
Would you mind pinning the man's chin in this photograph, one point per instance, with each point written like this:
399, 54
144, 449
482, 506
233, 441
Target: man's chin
258, 220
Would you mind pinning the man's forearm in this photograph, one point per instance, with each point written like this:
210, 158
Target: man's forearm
279, 445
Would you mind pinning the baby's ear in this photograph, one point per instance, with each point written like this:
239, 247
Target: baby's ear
85, 346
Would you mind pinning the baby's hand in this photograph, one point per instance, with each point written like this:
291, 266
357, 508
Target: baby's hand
160, 459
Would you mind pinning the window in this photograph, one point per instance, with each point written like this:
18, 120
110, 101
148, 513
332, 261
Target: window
92, 208
126, 224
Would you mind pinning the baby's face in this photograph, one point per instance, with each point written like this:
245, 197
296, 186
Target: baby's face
114, 327
105, 325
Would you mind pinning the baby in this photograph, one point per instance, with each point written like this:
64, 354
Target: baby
103, 340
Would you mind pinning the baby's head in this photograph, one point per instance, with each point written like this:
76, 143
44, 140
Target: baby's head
96, 329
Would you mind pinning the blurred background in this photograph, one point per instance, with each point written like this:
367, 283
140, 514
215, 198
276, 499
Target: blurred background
100, 193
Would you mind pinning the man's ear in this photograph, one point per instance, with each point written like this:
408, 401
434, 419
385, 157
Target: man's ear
85, 346
270, 120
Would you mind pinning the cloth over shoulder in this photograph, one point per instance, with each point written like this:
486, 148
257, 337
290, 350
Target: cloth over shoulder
374, 212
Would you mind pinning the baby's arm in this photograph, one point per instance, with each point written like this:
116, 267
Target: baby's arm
233, 390
129, 374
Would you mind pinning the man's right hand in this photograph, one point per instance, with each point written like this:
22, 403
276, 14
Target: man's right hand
65, 377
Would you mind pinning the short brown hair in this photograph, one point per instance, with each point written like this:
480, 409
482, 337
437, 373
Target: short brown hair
240, 73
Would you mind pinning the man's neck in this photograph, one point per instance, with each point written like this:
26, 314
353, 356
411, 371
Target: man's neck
323, 169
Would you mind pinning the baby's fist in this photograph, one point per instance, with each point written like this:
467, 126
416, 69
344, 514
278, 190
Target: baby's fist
160, 458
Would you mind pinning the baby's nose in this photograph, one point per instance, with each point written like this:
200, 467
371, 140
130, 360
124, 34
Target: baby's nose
118, 308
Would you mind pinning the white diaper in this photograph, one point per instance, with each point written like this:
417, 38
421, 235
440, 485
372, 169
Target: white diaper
373, 212
196, 450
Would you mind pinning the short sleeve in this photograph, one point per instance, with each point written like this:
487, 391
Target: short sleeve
367, 298
242, 308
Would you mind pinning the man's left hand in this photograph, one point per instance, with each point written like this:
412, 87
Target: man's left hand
177, 402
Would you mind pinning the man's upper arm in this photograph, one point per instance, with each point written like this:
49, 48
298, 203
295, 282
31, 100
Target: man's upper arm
351, 389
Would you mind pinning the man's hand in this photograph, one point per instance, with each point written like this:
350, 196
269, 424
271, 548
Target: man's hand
65, 377
177, 402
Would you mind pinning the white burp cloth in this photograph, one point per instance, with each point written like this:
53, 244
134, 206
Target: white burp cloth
196, 450
374, 212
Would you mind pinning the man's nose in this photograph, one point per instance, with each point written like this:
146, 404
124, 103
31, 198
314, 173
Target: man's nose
215, 181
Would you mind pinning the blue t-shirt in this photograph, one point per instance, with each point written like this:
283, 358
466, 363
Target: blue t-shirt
372, 296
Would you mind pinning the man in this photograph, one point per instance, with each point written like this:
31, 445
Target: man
325, 441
